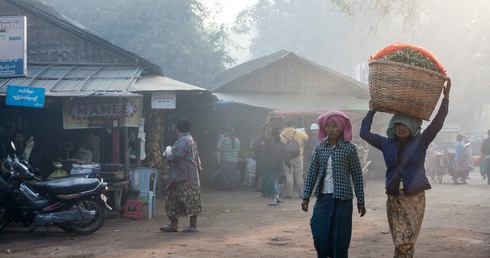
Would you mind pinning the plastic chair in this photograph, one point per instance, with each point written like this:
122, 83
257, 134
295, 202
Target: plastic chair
143, 176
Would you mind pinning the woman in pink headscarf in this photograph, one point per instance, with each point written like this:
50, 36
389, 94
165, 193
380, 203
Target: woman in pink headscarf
334, 167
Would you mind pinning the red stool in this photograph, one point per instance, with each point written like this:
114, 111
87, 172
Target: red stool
133, 209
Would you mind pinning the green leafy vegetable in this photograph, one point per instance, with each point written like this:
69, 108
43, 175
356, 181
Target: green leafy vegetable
410, 57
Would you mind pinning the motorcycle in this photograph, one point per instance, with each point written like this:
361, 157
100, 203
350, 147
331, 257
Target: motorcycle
73, 204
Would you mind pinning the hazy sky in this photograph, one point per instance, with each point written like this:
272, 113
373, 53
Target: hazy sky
230, 9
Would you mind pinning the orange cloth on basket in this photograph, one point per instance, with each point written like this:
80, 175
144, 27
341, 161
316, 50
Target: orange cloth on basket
400, 46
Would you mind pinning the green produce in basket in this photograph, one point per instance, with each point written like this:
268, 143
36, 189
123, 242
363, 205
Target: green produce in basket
410, 57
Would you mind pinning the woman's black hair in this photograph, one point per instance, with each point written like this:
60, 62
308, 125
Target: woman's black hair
184, 125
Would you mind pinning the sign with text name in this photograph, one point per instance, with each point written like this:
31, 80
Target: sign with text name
25, 96
163, 99
13, 46
101, 112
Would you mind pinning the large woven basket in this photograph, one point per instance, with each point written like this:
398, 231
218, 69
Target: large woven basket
397, 87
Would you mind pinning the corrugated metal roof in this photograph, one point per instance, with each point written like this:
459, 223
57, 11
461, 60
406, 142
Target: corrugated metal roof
78, 79
82, 80
159, 83
308, 103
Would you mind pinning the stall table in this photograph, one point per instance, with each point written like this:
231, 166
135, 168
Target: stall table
118, 188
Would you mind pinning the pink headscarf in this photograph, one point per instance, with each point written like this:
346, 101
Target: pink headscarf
340, 119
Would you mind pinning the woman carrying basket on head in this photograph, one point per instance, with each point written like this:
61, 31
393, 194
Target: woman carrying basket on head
404, 153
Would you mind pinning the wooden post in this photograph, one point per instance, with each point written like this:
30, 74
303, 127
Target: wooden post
126, 149
115, 144
138, 152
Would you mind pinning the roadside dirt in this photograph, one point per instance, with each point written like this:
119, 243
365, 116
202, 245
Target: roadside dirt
241, 224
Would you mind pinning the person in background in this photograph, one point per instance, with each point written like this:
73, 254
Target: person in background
460, 160
430, 160
218, 155
249, 178
229, 149
294, 176
334, 168
469, 155
183, 183
310, 147
404, 152
274, 158
485, 156
18, 140
258, 147
482, 165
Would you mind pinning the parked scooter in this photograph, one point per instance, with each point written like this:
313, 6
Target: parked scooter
72, 204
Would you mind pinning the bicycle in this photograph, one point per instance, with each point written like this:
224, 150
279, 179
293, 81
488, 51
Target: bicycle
437, 166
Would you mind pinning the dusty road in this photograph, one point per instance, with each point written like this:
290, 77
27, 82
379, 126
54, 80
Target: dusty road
241, 224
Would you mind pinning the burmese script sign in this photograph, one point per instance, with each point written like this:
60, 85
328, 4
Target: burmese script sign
25, 96
79, 113
13, 42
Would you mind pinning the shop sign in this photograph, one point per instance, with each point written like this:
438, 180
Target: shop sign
25, 96
163, 99
13, 46
101, 112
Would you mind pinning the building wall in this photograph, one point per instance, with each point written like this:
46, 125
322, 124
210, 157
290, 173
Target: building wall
49, 43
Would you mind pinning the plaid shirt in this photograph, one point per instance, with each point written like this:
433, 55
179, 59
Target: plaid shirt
184, 160
346, 170
229, 153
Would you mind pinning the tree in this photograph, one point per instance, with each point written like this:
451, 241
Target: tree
312, 29
459, 30
377, 11
335, 33
343, 33
178, 35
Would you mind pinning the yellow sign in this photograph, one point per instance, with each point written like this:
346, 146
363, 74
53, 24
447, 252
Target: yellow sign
101, 112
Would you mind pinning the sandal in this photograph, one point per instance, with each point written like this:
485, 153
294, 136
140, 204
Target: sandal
190, 230
168, 228
273, 202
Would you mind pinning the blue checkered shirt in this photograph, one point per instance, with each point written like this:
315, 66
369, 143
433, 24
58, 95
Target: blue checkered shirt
230, 153
346, 171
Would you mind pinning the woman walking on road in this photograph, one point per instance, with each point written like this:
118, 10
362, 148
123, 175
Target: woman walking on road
404, 152
274, 159
334, 168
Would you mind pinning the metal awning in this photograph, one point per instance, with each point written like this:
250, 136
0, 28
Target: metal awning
84, 80
296, 102
160, 83
78, 80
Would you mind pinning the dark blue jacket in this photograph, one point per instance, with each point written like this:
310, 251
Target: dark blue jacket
412, 160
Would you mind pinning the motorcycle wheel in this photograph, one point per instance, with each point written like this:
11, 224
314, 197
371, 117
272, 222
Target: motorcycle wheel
94, 225
5, 218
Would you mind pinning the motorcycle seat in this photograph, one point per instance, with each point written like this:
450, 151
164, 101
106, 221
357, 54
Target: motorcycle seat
67, 186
